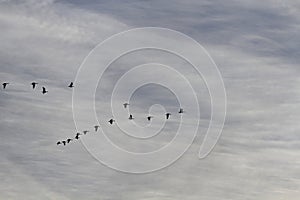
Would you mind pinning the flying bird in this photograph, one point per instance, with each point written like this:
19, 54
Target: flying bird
64, 142
69, 140
130, 117
180, 110
125, 105
44, 90
58, 143
34, 84
111, 121
4, 85
168, 115
149, 118
96, 127
71, 85
85, 132
77, 136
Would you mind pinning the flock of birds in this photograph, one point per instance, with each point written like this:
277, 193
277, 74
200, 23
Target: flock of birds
34, 84
96, 127
111, 121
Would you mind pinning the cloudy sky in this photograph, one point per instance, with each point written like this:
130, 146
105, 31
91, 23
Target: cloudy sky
255, 45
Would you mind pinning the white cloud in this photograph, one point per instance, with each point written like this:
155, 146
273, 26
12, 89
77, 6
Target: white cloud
255, 45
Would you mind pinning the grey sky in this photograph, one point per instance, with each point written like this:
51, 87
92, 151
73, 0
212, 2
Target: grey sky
256, 47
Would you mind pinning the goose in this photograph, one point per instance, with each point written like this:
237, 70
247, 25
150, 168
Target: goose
111, 121
85, 132
34, 84
96, 127
44, 90
126, 104
77, 136
180, 110
149, 118
69, 140
168, 115
130, 117
71, 85
4, 85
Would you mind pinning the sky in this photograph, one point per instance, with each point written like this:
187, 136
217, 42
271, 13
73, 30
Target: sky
255, 45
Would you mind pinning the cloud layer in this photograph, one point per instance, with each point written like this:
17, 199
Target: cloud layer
255, 45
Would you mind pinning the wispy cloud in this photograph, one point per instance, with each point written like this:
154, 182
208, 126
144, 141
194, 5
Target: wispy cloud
256, 47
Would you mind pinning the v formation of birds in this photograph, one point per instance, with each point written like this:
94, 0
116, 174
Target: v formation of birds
96, 127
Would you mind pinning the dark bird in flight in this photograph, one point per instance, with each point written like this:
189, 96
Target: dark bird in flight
4, 85
64, 142
58, 143
96, 127
180, 110
149, 118
111, 121
168, 115
71, 85
85, 132
130, 117
69, 140
44, 90
125, 105
34, 84
77, 136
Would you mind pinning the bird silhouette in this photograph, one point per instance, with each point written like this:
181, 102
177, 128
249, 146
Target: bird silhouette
130, 117
34, 84
4, 85
180, 110
149, 118
77, 136
71, 85
126, 104
58, 143
111, 121
64, 142
85, 132
44, 90
69, 140
96, 127
168, 115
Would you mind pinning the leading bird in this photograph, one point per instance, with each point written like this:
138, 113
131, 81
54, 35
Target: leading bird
4, 85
